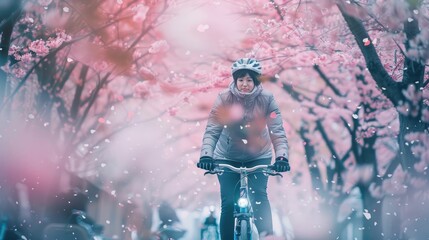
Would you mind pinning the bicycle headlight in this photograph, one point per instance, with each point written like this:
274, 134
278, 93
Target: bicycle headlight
243, 202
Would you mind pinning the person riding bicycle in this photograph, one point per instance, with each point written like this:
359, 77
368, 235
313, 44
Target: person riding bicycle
170, 227
243, 125
210, 221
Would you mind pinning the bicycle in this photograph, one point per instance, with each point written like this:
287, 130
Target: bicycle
210, 233
6, 233
244, 225
78, 226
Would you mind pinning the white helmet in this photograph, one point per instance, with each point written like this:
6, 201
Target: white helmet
247, 63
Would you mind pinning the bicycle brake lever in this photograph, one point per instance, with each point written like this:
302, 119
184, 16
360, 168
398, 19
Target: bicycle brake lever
213, 172
277, 174
272, 173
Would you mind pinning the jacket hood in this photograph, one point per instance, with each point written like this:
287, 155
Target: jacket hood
251, 95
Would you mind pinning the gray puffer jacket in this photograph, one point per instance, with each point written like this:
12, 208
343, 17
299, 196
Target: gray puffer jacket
242, 127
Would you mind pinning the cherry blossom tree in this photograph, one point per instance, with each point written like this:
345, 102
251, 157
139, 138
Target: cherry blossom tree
71, 67
349, 134
106, 82
294, 35
406, 92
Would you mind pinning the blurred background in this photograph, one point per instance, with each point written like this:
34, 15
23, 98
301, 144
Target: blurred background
103, 105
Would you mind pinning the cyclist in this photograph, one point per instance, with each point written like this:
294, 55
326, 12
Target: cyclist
210, 223
170, 227
243, 125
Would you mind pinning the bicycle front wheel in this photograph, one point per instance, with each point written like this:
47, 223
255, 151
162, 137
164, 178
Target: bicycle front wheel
244, 226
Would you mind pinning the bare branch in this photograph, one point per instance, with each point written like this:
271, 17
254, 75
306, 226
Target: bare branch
327, 81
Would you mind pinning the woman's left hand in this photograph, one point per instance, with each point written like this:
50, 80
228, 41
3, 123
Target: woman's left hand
281, 164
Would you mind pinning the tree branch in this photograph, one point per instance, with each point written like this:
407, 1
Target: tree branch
373, 62
74, 109
338, 165
327, 81
276, 6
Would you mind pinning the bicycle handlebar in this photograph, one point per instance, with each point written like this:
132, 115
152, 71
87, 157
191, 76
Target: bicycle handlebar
266, 169
238, 170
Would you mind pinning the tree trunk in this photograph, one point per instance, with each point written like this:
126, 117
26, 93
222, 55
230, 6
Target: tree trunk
409, 125
372, 223
316, 178
8, 16
45, 76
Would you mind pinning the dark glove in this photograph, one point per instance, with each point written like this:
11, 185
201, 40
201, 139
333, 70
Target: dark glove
281, 164
206, 163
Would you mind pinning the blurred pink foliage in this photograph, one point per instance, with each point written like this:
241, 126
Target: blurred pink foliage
159, 46
142, 90
140, 14
112, 64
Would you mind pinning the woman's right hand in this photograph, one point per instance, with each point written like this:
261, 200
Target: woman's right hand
206, 163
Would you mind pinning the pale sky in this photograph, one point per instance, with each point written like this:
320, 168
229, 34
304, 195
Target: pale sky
201, 29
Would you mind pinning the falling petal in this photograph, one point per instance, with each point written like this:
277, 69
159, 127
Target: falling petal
366, 41
367, 215
203, 27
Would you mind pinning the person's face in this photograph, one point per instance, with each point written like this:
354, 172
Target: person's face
245, 84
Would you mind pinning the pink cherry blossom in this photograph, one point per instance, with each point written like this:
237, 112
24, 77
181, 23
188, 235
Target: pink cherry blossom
101, 120
141, 12
13, 49
26, 58
236, 112
172, 111
39, 47
159, 46
58, 40
142, 90
18, 72
146, 73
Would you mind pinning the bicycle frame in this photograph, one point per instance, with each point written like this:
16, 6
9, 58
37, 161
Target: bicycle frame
245, 228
